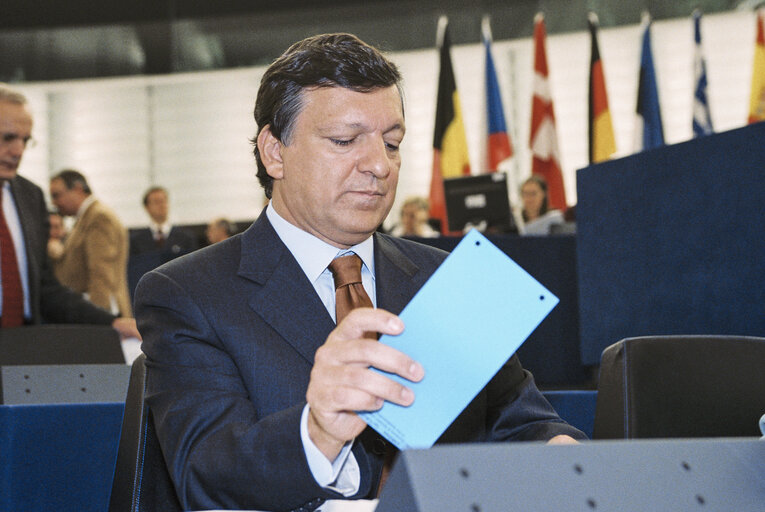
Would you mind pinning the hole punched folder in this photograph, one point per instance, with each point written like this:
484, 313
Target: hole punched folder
462, 326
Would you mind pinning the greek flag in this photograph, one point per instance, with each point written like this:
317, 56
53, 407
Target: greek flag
702, 120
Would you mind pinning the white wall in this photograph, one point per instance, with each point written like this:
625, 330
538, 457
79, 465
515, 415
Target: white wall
189, 132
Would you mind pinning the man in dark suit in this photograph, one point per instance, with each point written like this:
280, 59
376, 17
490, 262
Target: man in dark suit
160, 236
251, 382
43, 298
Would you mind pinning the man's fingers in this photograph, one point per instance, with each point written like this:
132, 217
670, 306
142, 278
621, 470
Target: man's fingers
365, 353
362, 320
358, 389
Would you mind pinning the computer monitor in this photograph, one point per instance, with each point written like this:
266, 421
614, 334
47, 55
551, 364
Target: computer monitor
480, 200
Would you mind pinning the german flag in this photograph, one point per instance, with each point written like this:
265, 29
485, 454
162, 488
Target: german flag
602, 143
757, 99
450, 152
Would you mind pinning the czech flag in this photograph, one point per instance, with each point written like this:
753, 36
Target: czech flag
500, 149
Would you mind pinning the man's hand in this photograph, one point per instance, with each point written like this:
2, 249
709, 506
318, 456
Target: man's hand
343, 382
562, 439
126, 327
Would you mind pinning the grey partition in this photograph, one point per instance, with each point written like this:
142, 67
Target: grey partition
701, 475
672, 241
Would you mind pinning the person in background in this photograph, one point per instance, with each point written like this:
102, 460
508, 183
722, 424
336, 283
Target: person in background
254, 368
414, 219
94, 262
30, 293
537, 217
57, 236
161, 236
220, 229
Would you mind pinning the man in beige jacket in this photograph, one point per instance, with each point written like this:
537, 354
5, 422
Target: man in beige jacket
94, 261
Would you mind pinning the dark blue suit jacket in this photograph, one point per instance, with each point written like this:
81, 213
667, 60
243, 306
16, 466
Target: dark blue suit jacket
230, 333
178, 242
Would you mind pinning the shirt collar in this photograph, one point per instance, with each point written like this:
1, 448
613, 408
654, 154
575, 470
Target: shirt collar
312, 254
84, 206
155, 228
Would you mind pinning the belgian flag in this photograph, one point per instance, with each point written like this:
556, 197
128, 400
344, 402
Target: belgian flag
757, 96
450, 152
602, 142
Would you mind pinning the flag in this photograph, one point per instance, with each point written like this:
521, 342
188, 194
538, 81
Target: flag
450, 152
702, 119
757, 99
500, 149
648, 128
544, 141
602, 141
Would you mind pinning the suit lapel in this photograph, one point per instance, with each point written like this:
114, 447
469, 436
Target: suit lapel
304, 323
285, 299
28, 217
398, 277
80, 226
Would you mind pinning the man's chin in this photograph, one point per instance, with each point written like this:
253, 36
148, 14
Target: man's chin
7, 174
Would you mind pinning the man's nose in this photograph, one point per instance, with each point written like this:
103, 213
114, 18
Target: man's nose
16, 147
375, 158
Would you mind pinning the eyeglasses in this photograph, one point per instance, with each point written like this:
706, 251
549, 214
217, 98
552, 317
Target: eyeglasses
6, 139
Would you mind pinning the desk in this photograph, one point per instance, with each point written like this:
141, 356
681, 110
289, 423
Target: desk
58, 457
61, 456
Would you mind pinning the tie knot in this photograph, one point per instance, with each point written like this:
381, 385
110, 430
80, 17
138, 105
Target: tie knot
346, 270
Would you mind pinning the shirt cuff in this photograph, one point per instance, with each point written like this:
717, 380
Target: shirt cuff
342, 475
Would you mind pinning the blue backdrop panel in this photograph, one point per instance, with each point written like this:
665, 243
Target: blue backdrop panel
671, 241
551, 353
58, 457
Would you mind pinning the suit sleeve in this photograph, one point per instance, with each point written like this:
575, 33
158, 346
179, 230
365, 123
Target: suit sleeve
219, 452
517, 410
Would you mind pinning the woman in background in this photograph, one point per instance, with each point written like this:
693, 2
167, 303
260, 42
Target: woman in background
537, 218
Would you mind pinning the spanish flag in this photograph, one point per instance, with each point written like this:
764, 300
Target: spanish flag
450, 152
757, 99
602, 143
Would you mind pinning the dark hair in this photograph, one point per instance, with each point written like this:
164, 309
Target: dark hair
70, 177
226, 225
151, 191
327, 60
539, 180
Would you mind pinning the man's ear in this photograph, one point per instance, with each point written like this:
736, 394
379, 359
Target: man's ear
269, 148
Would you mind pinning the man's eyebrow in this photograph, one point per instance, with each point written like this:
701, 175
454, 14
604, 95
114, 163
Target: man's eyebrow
357, 126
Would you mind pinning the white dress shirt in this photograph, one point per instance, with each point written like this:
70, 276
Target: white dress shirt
314, 256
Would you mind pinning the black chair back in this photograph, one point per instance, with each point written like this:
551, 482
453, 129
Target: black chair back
60, 344
681, 386
141, 480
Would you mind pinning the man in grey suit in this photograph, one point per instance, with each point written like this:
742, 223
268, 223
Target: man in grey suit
251, 383
44, 298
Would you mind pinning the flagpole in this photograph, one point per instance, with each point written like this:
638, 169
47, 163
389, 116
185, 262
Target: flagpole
486, 28
443, 21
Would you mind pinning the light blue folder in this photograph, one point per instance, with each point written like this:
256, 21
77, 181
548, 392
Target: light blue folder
462, 326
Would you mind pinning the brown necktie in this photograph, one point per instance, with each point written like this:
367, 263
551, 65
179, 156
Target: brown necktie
13, 296
350, 294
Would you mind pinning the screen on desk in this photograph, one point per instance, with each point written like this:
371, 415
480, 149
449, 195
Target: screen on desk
480, 200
